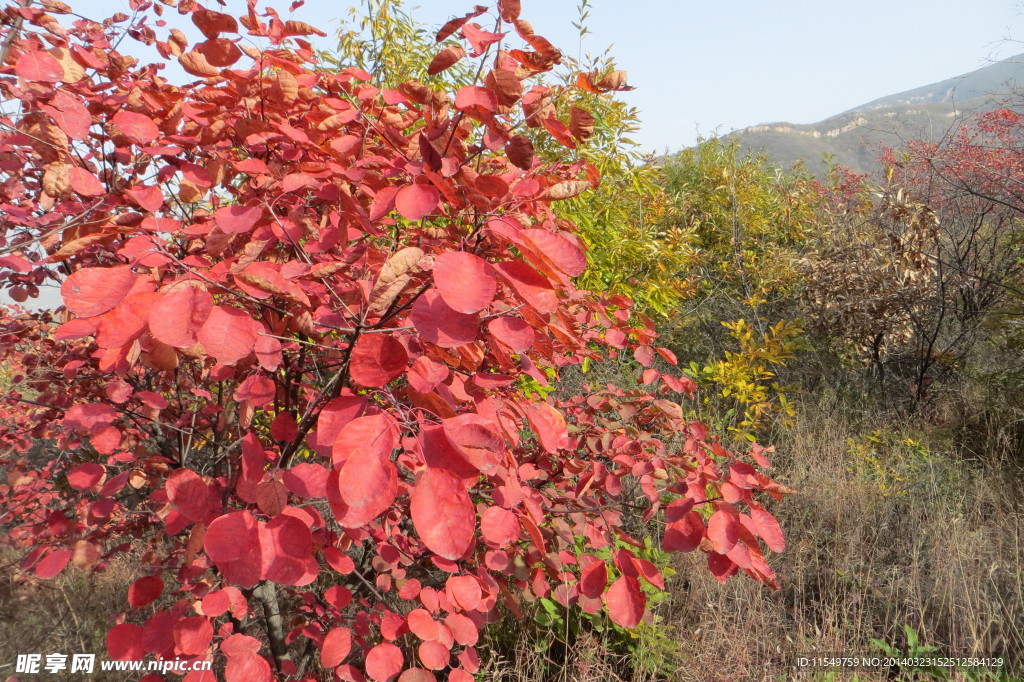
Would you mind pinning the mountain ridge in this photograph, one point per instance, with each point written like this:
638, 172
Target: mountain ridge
854, 138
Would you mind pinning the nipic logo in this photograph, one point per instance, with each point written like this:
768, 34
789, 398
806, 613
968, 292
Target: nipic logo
36, 664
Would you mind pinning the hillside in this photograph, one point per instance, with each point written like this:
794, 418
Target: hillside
853, 137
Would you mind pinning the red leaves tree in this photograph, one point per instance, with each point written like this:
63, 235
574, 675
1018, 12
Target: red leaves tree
299, 314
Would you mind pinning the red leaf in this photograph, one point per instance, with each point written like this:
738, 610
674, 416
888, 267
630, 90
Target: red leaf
445, 59
453, 25
286, 545
549, 425
338, 560
514, 332
649, 572
529, 285
434, 655
145, 590
441, 325
465, 591
439, 452
465, 281
422, 624
366, 484
557, 251
230, 537
228, 334
190, 494
644, 355
560, 132
148, 198
593, 579
124, 642
683, 535
337, 645
373, 434
177, 317
52, 564
415, 202
377, 359
721, 566
93, 291
474, 437
296, 181
476, 102
479, 39
219, 52
463, 629
136, 127
384, 662
85, 183
237, 219
88, 416
509, 9
768, 529
499, 526
268, 352
306, 480
442, 513
86, 476
625, 601
271, 497
425, 374
669, 356
519, 150
35, 65
247, 667
723, 530
192, 636
125, 323
383, 202
284, 427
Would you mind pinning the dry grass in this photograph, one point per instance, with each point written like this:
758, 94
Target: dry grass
68, 615
946, 558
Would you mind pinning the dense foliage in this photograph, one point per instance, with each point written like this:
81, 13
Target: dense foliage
301, 307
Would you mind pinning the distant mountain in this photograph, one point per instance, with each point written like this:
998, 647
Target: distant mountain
854, 137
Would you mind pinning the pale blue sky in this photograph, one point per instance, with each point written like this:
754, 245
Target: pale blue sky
722, 65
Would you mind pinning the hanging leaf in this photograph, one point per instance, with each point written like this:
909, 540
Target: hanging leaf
377, 359
465, 281
442, 513
138, 128
38, 66
415, 202
228, 335
439, 324
445, 59
93, 291
177, 317
519, 151
625, 602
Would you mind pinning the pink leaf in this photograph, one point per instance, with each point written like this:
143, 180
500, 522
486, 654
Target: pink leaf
377, 359
136, 127
93, 291
237, 219
466, 282
177, 317
415, 202
625, 601
228, 334
442, 513
35, 65
441, 325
